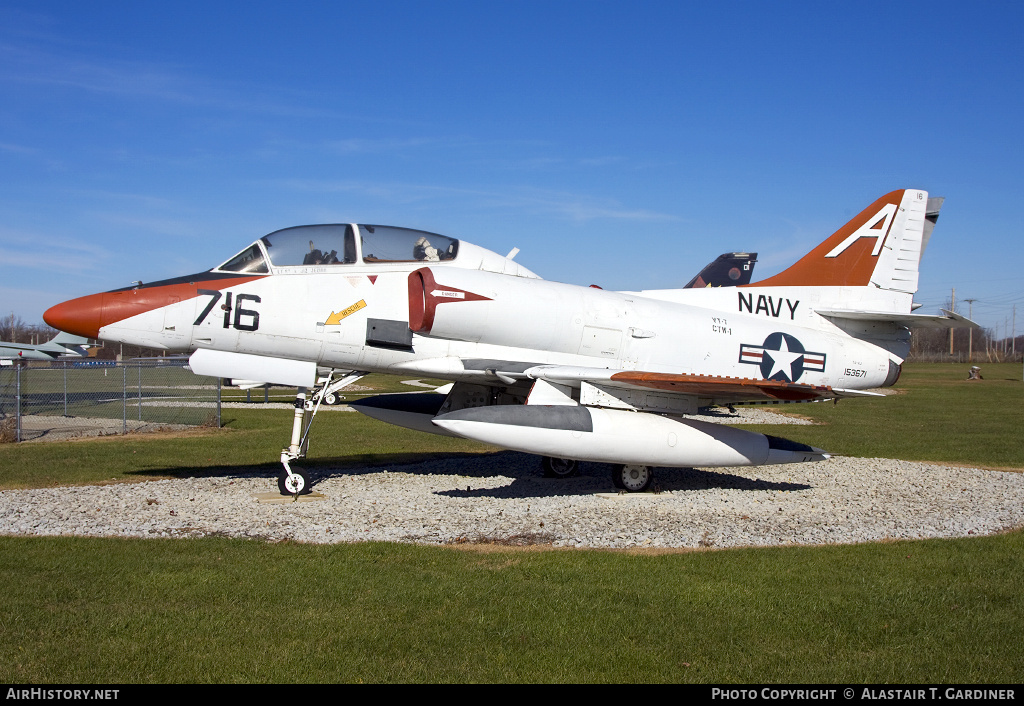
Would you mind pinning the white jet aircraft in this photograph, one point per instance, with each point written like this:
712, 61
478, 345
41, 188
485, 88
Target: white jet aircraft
570, 373
63, 344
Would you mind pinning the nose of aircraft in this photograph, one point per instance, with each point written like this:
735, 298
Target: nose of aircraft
82, 316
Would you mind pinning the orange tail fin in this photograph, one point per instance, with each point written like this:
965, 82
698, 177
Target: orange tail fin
880, 246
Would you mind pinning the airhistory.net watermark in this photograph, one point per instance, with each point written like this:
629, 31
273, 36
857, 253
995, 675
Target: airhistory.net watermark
48, 694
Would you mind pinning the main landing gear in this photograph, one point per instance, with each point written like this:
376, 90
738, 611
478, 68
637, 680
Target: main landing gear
632, 478
295, 482
559, 467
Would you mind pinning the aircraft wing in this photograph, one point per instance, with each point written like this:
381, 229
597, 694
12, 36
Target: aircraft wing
689, 390
701, 390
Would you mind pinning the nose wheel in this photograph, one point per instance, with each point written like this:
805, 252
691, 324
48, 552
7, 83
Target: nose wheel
632, 478
294, 483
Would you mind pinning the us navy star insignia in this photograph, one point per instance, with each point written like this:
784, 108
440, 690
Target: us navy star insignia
782, 357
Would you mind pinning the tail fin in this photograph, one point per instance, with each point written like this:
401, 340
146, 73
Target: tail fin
731, 269
881, 246
930, 218
65, 342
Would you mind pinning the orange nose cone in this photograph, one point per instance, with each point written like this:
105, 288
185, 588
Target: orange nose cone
80, 316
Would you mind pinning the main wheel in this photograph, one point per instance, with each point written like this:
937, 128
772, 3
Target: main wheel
631, 477
295, 484
559, 467
330, 398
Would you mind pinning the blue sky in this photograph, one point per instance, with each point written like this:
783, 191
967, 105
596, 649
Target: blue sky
622, 144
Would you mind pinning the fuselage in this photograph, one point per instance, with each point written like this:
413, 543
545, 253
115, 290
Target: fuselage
449, 309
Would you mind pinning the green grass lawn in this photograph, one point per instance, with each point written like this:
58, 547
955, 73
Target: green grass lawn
936, 414
224, 610
220, 610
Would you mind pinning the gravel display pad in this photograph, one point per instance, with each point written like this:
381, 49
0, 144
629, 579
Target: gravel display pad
501, 498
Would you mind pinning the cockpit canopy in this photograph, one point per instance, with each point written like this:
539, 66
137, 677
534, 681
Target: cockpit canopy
322, 245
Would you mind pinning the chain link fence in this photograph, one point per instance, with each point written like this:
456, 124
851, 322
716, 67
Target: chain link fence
71, 398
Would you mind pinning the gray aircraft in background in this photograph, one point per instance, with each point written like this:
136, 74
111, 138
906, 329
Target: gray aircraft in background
63, 344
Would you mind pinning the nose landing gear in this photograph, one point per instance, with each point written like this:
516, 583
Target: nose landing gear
295, 482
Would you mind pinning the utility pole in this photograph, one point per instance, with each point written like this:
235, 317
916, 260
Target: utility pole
952, 307
970, 331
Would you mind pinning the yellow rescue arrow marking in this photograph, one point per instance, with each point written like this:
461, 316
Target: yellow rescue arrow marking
335, 318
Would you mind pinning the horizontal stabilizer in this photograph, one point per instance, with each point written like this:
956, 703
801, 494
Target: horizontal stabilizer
949, 319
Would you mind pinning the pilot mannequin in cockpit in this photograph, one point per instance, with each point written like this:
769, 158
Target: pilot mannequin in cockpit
423, 250
316, 257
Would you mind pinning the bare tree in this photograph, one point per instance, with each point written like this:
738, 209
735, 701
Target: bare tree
14, 329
